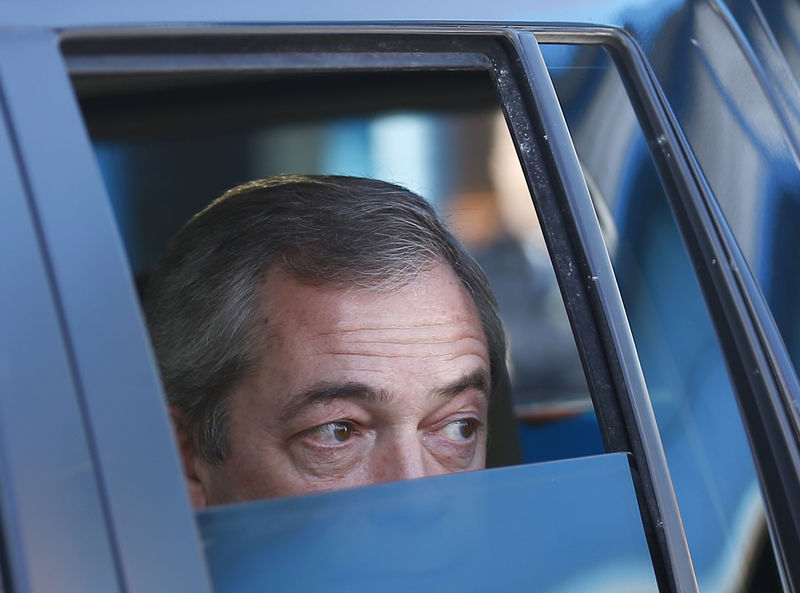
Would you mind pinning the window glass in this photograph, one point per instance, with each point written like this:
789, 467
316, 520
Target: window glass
706, 447
783, 19
449, 143
737, 106
526, 528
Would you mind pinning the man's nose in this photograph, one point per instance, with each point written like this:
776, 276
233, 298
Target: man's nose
402, 457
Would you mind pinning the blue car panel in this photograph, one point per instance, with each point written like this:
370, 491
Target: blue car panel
566, 525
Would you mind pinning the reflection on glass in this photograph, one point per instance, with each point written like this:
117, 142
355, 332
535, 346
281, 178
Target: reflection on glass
706, 447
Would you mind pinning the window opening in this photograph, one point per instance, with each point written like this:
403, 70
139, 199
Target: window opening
161, 167
167, 145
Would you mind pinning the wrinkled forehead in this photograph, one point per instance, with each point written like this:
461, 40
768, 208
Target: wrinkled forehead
434, 297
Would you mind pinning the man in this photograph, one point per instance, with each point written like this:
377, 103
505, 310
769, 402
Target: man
322, 332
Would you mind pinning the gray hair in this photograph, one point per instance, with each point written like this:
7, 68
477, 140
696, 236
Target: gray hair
202, 300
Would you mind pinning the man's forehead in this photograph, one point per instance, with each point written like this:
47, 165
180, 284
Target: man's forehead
312, 333
432, 299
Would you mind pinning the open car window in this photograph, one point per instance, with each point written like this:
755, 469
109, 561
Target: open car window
439, 132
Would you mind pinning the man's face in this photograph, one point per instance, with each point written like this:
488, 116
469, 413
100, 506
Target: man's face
355, 387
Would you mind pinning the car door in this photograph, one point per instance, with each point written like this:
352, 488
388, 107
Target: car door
117, 397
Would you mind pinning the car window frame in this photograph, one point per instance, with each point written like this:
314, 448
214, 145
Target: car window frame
138, 482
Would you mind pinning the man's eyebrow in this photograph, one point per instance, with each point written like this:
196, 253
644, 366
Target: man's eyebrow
327, 392
477, 379
353, 390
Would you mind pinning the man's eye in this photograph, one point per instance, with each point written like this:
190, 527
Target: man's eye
333, 432
460, 430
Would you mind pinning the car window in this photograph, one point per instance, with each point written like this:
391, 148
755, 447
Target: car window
449, 143
706, 447
166, 144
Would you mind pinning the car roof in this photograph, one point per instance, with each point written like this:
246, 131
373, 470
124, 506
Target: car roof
94, 13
